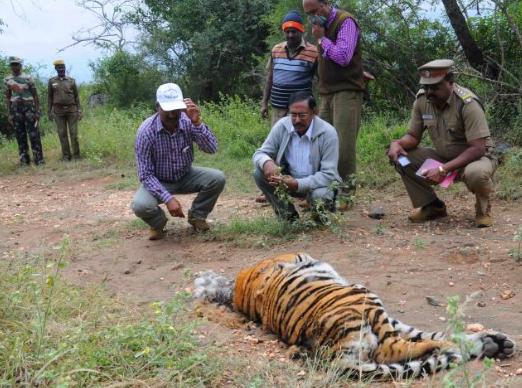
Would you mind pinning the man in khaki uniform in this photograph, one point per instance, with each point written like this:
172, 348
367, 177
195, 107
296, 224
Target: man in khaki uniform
454, 119
64, 108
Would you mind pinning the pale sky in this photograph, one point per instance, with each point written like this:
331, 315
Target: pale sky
37, 29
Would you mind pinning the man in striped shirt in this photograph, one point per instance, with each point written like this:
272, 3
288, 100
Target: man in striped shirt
341, 79
291, 68
164, 156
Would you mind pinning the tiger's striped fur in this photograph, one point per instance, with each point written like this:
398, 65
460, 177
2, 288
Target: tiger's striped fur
306, 303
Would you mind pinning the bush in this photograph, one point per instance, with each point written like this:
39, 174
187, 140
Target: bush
127, 79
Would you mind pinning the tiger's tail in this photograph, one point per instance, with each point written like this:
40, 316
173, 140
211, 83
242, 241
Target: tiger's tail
214, 288
405, 370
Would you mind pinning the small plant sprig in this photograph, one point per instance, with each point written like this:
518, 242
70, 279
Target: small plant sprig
345, 190
516, 253
460, 376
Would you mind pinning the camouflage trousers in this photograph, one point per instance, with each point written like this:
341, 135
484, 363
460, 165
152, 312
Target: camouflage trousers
24, 121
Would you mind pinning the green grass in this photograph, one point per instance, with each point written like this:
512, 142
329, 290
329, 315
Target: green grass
54, 334
107, 138
509, 176
259, 232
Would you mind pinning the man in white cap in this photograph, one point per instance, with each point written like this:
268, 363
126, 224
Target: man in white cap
164, 156
454, 119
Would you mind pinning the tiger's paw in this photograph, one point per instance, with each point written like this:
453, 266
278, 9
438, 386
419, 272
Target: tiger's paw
497, 346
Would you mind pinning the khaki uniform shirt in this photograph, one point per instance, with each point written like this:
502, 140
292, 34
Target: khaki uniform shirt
21, 87
450, 129
63, 95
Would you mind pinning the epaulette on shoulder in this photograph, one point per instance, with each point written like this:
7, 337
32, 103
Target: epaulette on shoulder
464, 94
421, 92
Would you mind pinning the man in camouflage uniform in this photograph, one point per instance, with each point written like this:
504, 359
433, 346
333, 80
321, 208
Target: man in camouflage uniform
24, 111
455, 120
64, 108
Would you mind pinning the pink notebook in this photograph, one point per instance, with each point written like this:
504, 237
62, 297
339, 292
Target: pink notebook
432, 163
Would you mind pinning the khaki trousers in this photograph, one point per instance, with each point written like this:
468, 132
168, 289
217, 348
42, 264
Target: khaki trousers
477, 176
63, 122
343, 110
278, 114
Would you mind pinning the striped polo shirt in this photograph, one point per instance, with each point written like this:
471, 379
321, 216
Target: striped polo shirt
292, 74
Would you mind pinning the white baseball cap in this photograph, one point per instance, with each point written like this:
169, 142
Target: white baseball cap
170, 97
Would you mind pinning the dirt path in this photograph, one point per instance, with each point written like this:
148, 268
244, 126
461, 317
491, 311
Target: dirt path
403, 263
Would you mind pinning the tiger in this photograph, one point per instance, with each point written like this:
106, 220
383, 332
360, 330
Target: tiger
306, 303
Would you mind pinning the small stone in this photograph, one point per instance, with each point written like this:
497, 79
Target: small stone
507, 294
301, 373
377, 213
475, 327
451, 284
443, 319
518, 372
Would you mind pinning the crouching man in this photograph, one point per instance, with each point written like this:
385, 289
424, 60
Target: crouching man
300, 155
164, 156
454, 119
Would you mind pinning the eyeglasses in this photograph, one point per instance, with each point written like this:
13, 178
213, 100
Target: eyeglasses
301, 116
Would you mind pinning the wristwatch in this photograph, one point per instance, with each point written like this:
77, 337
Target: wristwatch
442, 171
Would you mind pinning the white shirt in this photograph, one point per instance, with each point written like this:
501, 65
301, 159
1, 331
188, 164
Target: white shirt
297, 153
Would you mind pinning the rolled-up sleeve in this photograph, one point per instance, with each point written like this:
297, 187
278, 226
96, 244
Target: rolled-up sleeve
204, 138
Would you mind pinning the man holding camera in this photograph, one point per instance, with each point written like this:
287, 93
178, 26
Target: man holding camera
341, 79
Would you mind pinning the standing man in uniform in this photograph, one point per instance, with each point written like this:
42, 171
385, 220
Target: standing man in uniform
24, 111
456, 124
291, 68
341, 80
64, 107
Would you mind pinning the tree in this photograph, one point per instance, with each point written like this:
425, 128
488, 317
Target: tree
472, 51
209, 46
111, 31
127, 78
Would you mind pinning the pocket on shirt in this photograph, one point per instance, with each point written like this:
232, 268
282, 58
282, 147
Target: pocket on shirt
455, 132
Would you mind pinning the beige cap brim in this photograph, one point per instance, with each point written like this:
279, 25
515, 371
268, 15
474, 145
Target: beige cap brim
431, 81
174, 105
